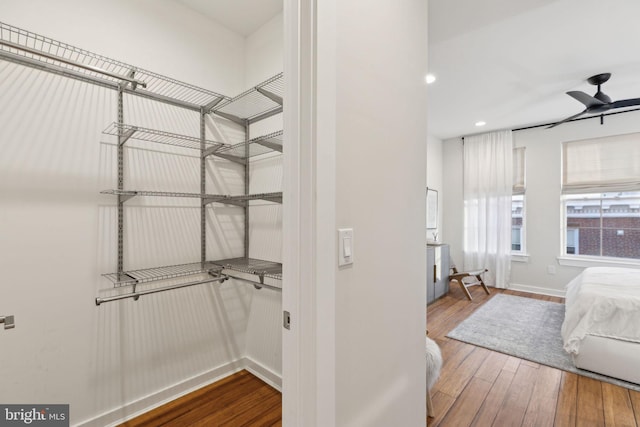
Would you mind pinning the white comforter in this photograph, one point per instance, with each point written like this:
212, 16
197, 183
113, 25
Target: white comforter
602, 301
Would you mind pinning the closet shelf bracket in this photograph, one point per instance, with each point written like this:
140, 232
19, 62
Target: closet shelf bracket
231, 158
272, 96
257, 285
210, 106
271, 145
233, 118
123, 194
224, 200
265, 115
126, 134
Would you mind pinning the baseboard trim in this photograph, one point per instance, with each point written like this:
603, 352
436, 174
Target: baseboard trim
537, 290
266, 375
152, 401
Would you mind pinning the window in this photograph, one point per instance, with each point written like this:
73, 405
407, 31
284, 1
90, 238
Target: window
603, 225
601, 197
517, 202
517, 223
573, 241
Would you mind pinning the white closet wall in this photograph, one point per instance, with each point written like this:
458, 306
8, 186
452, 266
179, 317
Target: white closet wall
59, 234
264, 58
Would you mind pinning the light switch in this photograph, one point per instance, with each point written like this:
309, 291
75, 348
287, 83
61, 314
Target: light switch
345, 246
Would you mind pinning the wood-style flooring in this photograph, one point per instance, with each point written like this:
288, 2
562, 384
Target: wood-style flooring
238, 400
477, 387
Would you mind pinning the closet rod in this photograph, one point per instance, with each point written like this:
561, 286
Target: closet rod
137, 294
254, 283
73, 63
67, 72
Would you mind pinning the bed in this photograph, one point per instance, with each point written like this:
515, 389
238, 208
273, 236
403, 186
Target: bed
601, 329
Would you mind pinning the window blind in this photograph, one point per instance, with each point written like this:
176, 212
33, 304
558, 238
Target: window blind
601, 165
518, 170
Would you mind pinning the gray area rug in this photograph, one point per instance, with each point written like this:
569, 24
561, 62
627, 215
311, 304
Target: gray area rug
526, 328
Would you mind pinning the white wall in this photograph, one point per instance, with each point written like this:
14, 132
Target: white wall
264, 52
434, 181
372, 94
543, 180
263, 59
58, 232
453, 214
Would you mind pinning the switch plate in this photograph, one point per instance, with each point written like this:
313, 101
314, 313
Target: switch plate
9, 322
345, 246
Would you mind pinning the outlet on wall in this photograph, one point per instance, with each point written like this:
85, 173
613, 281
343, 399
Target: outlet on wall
551, 269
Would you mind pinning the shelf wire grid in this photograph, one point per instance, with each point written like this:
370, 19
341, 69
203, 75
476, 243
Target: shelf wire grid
162, 137
218, 198
160, 273
243, 265
252, 266
132, 193
252, 103
271, 197
46, 51
256, 146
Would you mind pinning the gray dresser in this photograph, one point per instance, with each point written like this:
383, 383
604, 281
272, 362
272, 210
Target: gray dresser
437, 271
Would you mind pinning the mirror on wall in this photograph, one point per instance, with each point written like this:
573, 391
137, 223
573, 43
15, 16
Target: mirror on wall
432, 209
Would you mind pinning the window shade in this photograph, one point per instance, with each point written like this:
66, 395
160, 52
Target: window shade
518, 170
601, 164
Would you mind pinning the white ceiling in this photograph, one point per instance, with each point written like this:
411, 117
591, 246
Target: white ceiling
240, 16
506, 62
510, 63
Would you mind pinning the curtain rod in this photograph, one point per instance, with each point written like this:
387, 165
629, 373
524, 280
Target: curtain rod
574, 120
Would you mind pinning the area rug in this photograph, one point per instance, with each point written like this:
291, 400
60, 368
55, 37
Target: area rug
526, 328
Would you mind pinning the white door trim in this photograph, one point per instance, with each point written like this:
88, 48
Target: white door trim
309, 241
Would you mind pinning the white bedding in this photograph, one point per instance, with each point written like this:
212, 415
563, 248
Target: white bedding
602, 301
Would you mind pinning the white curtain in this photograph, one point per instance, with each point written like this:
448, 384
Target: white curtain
488, 182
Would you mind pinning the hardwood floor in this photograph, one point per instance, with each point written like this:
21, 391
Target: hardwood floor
238, 400
479, 387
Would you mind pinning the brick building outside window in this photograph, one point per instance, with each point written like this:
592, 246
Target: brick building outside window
606, 225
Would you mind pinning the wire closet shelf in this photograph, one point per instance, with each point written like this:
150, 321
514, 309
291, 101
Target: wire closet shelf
259, 102
257, 146
31, 49
252, 266
275, 197
262, 101
162, 137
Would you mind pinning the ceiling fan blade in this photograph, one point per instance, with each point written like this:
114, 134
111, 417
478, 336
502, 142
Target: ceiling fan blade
567, 119
588, 100
626, 103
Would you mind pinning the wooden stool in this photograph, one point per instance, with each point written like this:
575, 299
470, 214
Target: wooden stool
476, 279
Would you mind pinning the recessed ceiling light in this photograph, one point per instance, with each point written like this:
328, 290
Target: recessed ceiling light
481, 123
430, 78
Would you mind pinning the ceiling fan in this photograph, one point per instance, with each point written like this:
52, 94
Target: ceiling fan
598, 103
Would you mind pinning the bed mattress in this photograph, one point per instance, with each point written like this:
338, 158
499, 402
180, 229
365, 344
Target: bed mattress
602, 302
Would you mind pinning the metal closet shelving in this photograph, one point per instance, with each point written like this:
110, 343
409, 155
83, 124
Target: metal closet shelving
258, 103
